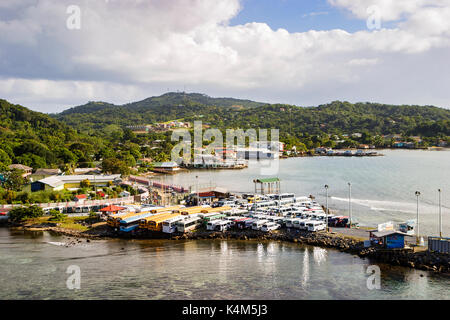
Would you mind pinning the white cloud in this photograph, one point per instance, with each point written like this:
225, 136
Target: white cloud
131, 49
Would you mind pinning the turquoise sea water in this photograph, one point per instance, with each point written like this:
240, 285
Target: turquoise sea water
382, 187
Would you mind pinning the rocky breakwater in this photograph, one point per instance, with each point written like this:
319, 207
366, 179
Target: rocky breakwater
316, 239
423, 260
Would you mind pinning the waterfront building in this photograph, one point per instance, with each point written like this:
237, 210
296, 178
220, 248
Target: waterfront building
256, 154
57, 183
166, 166
388, 239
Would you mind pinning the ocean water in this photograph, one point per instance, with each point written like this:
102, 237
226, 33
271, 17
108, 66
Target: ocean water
34, 266
383, 188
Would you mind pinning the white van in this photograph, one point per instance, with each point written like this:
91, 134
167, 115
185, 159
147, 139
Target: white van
270, 226
300, 224
222, 225
258, 224
210, 226
316, 226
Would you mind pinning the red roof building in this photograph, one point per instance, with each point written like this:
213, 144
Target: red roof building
112, 208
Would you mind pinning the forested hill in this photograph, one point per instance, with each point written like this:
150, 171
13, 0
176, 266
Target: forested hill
172, 99
334, 118
37, 140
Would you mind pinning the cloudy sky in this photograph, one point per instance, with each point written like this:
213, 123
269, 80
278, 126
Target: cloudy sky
289, 51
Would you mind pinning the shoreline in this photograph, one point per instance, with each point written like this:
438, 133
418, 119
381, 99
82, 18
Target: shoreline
422, 260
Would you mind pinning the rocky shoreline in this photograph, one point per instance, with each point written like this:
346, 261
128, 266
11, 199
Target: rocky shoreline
424, 260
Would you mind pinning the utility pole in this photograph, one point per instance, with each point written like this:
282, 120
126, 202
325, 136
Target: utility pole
417, 224
350, 203
326, 211
198, 193
440, 214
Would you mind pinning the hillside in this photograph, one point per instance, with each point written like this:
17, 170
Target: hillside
37, 140
333, 118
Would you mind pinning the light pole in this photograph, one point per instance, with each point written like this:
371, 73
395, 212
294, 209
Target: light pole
350, 203
417, 221
440, 215
198, 194
326, 206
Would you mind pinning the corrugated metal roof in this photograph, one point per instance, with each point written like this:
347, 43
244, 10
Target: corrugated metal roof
267, 180
387, 233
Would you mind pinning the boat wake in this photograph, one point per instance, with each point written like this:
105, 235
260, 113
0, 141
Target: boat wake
60, 244
378, 205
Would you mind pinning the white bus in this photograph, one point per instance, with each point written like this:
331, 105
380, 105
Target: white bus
258, 224
189, 224
289, 222
222, 225
277, 220
316, 226
210, 226
263, 205
283, 211
170, 226
284, 196
300, 224
270, 226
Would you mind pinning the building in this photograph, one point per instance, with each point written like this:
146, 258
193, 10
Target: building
80, 198
224, 153
47, 172
166, 166
256, 153
89, 171
27, 170
388, 239
267, 185
269, 145
57, 183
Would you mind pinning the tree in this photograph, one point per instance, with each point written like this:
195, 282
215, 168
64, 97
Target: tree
115, 166
13, 180
22, 213
56, 215
85, 183
4, 158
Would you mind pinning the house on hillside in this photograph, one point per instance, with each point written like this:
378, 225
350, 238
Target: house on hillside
27, 170
47, 172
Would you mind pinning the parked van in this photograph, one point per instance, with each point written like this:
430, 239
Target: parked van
270, 226
316, 226
258, 224
222, 225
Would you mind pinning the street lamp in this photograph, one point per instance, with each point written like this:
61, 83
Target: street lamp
440, 214
417, 221
198, 194
326, 205
350, 203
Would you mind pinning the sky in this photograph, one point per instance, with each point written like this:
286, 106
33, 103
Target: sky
56, 54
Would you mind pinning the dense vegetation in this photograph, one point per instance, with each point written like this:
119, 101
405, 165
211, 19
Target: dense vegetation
39, 141
95, 133
306, 127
